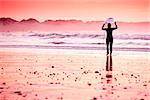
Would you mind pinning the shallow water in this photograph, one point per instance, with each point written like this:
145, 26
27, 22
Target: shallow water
64, 40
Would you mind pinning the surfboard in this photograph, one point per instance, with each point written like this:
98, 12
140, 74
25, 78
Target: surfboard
109, 20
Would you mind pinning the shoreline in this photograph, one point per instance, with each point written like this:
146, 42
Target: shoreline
75, 48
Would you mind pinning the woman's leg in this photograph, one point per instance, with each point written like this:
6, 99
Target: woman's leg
108, 48
111, 43
107, 43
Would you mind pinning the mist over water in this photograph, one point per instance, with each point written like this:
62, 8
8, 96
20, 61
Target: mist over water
74, 40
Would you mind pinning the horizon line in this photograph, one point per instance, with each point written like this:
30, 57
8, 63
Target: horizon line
76, 20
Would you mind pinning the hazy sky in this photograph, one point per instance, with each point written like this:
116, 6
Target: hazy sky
121, 10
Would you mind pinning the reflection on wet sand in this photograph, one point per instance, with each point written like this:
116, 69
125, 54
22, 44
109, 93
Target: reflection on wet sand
109, 69
109, 63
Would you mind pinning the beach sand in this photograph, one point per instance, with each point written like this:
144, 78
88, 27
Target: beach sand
57, 74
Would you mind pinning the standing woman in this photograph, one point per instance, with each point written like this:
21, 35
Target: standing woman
109, 39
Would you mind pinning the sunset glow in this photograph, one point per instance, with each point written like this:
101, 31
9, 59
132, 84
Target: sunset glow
121, 10
74, 49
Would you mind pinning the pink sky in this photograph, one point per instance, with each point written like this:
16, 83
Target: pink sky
121, 10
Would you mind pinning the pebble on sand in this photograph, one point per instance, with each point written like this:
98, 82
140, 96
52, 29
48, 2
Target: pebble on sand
96, 71
52, 66
125, 88
18, 92
1, 88
94, 98
4, 83
145, 85
141, 99
89, 84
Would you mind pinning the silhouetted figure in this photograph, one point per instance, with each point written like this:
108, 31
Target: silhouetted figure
109, 39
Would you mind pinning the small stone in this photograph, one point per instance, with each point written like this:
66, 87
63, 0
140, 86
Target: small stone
94, 98
89, 84
96, 71
145, 85
51, 83
104, 88
24, 95
4, 83
18, 92
61, 98
52, 66
1, 88
142, 99
145, 95
125, 88
35, 72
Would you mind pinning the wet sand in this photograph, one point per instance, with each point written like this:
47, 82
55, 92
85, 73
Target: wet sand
50, 74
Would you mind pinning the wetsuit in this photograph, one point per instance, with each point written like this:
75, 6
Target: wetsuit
109, 39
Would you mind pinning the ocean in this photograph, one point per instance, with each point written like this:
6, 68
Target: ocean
74, 40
